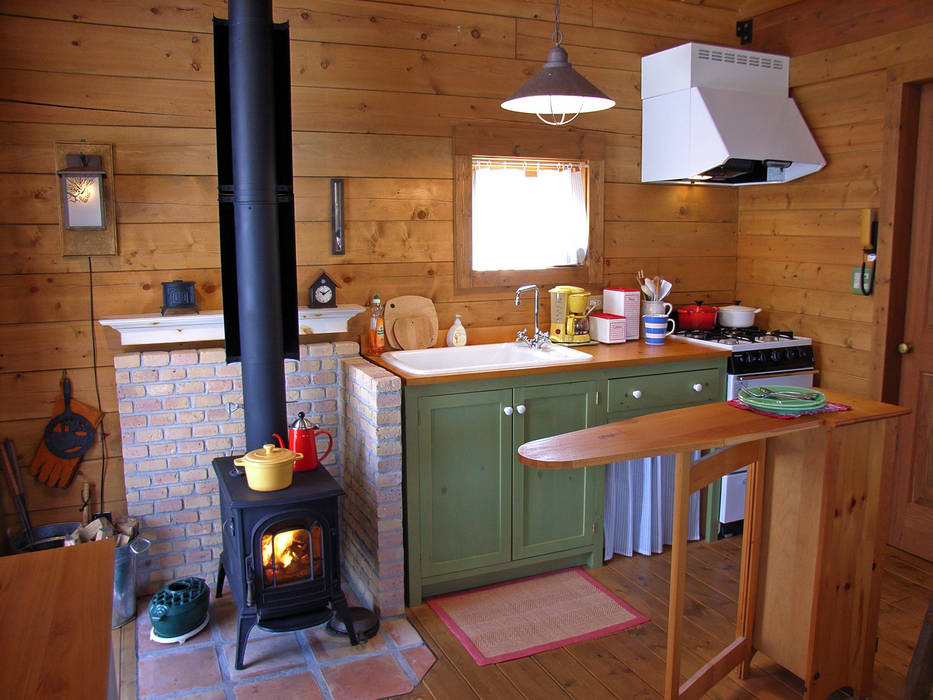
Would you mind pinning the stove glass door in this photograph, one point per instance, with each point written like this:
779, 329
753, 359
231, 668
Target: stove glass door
291, 553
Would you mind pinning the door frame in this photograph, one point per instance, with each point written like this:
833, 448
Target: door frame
902, 102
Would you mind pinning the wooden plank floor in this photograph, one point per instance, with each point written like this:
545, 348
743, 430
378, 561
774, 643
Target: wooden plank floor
630, 664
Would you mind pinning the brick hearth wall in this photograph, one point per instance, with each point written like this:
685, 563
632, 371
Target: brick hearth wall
180, 409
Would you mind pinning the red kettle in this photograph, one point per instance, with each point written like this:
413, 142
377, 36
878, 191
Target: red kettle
302, 438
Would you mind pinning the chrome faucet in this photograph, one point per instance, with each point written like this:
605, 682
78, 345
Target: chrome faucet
538, 338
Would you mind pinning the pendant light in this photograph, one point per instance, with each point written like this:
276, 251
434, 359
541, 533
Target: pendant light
557, 93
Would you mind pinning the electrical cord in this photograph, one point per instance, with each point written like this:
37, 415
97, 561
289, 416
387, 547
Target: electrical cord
103, 434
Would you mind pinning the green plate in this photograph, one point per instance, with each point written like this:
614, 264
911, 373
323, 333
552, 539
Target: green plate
781, 405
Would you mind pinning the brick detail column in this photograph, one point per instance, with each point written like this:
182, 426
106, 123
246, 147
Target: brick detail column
371, 450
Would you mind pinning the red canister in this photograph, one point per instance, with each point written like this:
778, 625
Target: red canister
302, 438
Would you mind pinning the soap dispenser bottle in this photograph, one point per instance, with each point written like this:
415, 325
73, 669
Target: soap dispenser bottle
456, 335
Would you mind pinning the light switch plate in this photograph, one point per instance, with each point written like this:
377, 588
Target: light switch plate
855, 286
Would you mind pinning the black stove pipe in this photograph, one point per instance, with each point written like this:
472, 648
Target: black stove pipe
252, 125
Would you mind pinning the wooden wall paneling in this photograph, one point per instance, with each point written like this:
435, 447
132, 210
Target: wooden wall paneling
370, 155
709, 273
358, 22
29, 199
810, 222
814, 275
815, 25
36, 346
125, 13
681, 239
623, 164
801, 249
316, 64
835, 358
831, 331
596, 46
358, 282
43, 387
147, 199
846, 100
905, 46
626, 202
668, 18
577, 11
377, 241
72, 98
752, 8
27, 434
71, 47
846, 166
849, 137
31, 248
839, 195
807, 302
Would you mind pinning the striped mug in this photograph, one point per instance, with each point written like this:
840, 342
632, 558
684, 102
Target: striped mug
656, 328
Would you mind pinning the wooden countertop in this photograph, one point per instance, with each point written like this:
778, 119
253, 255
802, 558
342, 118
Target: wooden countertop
55, 612
685, 429
632, 353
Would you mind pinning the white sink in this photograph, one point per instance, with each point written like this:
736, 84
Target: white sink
471, 358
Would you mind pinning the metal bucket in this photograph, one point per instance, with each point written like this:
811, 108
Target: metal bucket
124, 580
44, 537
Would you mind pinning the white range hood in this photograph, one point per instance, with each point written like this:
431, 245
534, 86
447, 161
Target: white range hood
722, 116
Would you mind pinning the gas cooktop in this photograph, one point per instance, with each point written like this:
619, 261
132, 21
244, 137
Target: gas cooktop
756, 350
743, 337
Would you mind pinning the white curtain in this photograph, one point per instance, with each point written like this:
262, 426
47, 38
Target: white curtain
528, 223
639, 508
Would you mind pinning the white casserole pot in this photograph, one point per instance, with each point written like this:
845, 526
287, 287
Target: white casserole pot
736, 316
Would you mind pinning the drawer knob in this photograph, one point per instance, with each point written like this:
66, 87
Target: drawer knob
636, 394
520, 408
698, 388
508, 410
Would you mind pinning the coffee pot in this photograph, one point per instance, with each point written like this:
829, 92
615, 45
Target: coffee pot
302, 438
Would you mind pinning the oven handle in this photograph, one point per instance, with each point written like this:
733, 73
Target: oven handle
770, 375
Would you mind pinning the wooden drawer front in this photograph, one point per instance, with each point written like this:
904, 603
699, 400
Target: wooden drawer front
656, 392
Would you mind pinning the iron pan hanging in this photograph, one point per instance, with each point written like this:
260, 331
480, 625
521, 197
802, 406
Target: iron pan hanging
68, 435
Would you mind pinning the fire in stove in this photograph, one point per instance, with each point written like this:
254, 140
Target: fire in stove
292, 555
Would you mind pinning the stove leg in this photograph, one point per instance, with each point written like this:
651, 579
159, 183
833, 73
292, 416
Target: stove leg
244, 623
220, 578
343, 612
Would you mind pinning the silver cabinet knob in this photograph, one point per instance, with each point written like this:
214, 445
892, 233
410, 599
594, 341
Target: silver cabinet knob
636, 394
508, 410
520, 408
698, 388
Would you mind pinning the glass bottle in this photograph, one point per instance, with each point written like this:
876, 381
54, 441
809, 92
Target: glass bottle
377, 327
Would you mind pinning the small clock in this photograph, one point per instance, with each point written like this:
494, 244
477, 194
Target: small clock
323, 293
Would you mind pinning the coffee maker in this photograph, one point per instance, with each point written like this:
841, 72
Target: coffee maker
569, 320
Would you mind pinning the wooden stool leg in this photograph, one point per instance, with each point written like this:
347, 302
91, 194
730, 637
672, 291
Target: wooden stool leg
751, 555
678, 576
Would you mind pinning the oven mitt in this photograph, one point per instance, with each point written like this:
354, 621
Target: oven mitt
54, 470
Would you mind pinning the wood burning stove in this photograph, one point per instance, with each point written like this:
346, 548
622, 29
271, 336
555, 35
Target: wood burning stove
281, 553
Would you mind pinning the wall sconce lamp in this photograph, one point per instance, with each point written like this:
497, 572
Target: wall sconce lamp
87, 207
82, 187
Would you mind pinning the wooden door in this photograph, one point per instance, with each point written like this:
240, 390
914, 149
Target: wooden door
912, 508
464, 463
554, 510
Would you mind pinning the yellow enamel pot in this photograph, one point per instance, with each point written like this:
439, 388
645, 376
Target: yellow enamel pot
269, 468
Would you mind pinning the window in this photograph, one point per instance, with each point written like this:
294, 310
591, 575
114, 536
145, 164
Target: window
528, 207
529, 215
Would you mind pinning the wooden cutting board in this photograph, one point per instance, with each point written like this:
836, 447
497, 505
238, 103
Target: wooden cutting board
419, 328
414, 332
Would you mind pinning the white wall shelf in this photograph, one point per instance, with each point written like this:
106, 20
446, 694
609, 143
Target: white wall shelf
152, 329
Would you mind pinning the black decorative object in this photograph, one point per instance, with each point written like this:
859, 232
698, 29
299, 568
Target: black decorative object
338, 244
68, 435
281, 553
178, 295
743, 30
323, 293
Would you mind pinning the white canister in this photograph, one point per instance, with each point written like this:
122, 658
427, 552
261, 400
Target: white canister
624, 302
607, 328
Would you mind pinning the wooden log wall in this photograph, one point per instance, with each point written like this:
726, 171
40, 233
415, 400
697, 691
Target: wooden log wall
377, 88
797, 243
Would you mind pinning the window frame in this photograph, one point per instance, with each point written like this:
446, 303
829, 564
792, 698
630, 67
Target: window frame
507, 142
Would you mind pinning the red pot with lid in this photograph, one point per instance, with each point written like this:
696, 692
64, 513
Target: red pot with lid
696, 317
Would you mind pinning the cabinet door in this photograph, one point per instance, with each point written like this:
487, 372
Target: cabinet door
554, 510
465, 444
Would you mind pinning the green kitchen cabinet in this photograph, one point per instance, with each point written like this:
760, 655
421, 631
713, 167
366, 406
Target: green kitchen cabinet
473, 514
482, 516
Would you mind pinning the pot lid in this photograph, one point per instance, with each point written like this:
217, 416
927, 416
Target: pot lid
267, 456
738, 307
697, 308
303, 423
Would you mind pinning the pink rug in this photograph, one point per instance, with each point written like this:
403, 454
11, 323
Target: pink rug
519, 618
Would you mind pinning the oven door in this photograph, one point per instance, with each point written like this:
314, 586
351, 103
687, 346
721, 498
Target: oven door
797, 377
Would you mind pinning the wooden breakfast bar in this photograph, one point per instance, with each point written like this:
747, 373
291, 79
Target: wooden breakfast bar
816, 521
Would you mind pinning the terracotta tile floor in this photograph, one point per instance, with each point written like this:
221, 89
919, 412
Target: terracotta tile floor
311, 664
